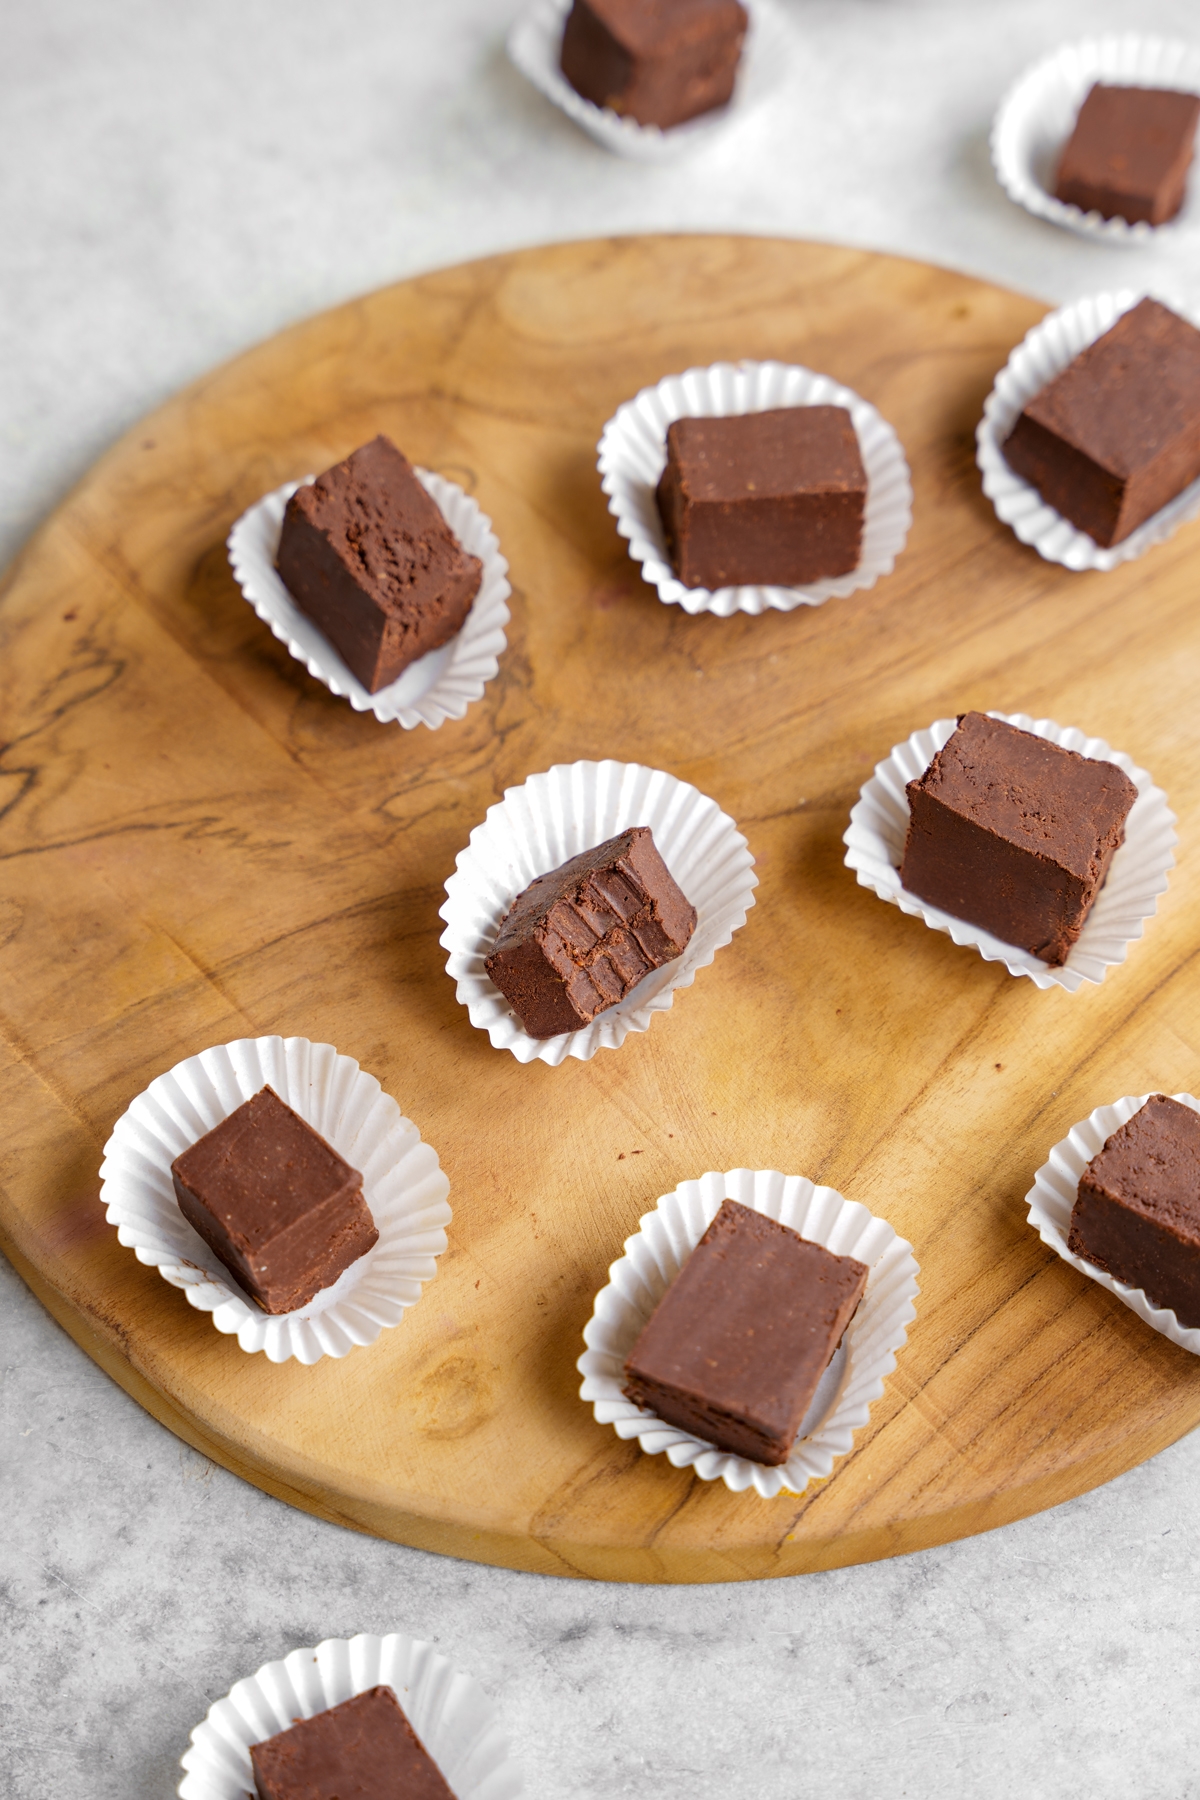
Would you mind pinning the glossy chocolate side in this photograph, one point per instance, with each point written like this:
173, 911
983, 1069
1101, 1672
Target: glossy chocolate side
774, 497
1114, 437
660, 62
1129, 154
1137, 1213
736, 1347
283, 1211
366, 553
364, 1749
580, 937
1014, 834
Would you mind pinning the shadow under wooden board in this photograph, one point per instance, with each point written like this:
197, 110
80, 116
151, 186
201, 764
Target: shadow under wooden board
199, 843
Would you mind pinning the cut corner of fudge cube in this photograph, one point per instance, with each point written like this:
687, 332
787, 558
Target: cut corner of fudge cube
366, 554
772, 498
578, 939
1137, 1210
659, 64
1116, 435
1015, 834
365, 1746
276, 1203
735, 1349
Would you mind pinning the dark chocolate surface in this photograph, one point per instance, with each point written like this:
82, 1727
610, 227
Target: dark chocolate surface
1114, 437
771, 497
364, 1749
366, 553
1129, 154
736, 1347
283, 1211
660, 62
580, 937
1137, 1213
1014, 834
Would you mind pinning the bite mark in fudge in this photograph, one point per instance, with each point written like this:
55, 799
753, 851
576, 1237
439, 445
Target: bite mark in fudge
579, 938
660, 62
1129, 154
1137, 1213
364, 1749
283, 1211
736, 1347
367, 555
1014, 834
1114, 437
772, 497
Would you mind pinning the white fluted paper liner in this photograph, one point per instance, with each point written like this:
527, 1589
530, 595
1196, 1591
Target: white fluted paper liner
557, 815
1055, 1188
854, 1379
403, 1185
441, 684
633, 454
535, 47
1044, 353
1037, 116
1138, 874
448, 1710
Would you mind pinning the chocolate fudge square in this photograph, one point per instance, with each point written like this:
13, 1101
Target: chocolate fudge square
579, 938
364, 1749
1137, 1213
367, 555
1129, 154
771, 497
1014, 834
660, 62
1117, 434
734, 1350
277, 1204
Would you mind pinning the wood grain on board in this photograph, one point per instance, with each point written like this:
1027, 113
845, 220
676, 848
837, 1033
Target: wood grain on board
199, 843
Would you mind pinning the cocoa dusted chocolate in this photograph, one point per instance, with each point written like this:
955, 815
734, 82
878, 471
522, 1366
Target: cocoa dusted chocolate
736, 1347
283, 1211
660, 62
367, 555
771, 498
1129, 154
1137, 1213
1117, 434
364, 1749
579, 938
1014, 834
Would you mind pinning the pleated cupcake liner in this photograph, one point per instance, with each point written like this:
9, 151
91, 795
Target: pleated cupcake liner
879, 825
403, 1185
850, 1385
1052, 1197
1037, 116
633, 455
1043, 354
452, 1716
441, 684
535, 46
559, 814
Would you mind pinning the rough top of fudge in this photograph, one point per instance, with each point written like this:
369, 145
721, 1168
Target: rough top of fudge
1128, 394
364, 1749
752, 1300
1032, 793
1129, 136
648, 28
602, 887
786, 450
383, 525
262, 1170
1152, 1165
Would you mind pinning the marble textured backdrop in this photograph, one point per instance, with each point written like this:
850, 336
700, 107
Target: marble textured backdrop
177, 182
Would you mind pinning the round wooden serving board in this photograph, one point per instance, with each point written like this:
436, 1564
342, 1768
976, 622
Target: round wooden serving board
199, 843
